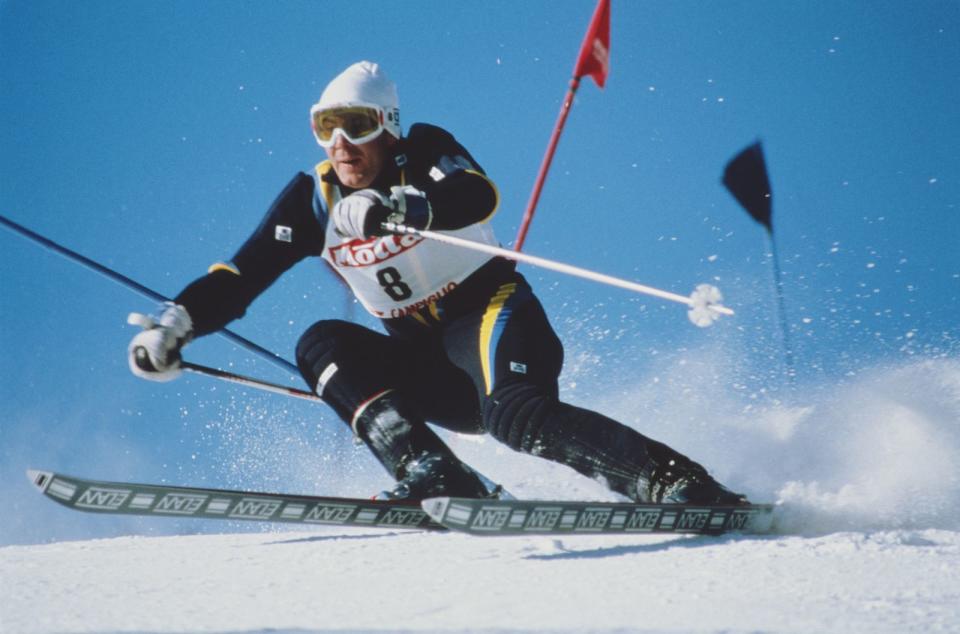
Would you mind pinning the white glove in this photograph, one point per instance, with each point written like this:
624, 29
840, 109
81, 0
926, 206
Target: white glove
360, 214
350, 213
154, 354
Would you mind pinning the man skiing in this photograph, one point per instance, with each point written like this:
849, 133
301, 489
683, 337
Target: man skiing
467, 346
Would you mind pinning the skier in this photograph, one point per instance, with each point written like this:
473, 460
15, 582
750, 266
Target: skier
468, 345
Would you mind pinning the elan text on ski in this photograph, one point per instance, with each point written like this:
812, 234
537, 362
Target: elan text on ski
467, 345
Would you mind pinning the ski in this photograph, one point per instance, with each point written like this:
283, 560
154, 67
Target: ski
513, 517
175, 501
474, 516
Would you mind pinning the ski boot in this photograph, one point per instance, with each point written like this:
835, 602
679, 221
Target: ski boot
679, 480
414, 455
432, 475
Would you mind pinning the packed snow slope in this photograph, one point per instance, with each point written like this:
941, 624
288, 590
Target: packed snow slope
363, 580
868, 540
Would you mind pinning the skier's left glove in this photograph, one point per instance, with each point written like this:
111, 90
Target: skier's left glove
409, 207
361, 214
154, 354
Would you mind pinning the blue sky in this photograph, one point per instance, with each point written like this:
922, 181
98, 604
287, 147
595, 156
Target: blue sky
153, 136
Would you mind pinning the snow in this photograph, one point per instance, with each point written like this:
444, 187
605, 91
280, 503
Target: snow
867, 539
365, 580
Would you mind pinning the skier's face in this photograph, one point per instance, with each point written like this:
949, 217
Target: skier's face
357, 166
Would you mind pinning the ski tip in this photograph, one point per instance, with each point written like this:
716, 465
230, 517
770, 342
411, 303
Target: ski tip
435, 507
40, 479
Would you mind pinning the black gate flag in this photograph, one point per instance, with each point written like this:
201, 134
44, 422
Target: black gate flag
746, 178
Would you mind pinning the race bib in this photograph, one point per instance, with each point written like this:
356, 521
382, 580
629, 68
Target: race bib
396, 275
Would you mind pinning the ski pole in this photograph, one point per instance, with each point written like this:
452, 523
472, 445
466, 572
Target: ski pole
704, 302
139, 288
250, 382
146, 322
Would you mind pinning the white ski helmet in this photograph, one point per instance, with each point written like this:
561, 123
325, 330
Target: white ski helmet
363, 84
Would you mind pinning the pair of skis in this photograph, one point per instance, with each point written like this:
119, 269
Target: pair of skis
474, 516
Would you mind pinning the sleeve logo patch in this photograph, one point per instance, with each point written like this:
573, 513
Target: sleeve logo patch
283, 234
519, 368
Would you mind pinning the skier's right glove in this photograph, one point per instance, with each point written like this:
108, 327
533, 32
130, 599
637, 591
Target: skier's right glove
355, 215
154, 354
361, 214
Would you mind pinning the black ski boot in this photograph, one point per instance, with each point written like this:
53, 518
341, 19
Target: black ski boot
414, 455
529, 419
679, 480
432, 475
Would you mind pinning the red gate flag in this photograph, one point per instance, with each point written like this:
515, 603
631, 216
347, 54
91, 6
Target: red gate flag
594, 58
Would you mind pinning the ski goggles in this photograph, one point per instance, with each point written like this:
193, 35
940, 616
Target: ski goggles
358, 124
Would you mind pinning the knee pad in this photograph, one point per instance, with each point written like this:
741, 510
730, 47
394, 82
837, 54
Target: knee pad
332, 356
317, 348
517, 414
